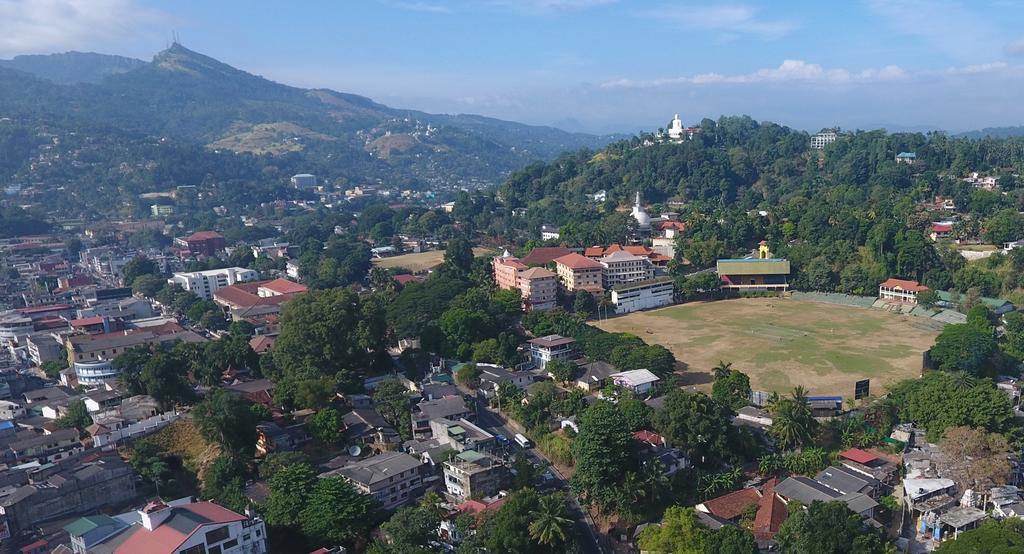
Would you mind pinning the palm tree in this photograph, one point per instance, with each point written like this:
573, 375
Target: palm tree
655, 480
963, 380
632, 487
792, 423
723, 369
550, 526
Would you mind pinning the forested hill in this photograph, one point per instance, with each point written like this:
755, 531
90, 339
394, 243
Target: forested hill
994, 132
847, 217
185, 96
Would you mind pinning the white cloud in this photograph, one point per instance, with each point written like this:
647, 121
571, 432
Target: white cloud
789, 70
975, 69
36, 26
1015, 48
726, 19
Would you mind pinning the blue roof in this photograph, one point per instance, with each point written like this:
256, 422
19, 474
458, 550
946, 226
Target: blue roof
836, 398
906, 155
6, 424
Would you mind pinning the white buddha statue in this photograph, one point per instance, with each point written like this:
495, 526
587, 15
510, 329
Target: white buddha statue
675, 129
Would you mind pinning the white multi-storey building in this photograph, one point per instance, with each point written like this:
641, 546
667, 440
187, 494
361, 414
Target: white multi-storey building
204, 283
622, 267
642, 295
826, 137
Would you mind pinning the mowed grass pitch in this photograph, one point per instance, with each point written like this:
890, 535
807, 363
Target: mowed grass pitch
421, 261
781, 342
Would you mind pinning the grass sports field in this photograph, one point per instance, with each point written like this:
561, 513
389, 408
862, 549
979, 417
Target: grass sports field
782, 342
421, 261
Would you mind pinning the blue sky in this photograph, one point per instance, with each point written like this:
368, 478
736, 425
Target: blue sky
595, 65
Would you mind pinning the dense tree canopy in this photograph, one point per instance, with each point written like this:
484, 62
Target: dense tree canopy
940, 400
829, 528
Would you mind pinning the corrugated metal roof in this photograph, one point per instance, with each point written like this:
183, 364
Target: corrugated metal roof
753, 266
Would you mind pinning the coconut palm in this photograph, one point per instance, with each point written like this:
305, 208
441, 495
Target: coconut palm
655, 480
723, 369
550, 526
792, 424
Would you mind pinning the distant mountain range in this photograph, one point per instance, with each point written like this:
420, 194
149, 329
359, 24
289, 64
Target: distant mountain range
72, 67
188, 96
993, 132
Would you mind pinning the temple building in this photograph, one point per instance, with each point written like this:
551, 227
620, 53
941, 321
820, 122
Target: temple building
643, 221
676, 131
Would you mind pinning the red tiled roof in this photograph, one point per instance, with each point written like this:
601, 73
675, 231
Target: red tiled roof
733, 504
167, 539
910, 286
80, 281
638, 250
575, 261
858, 455
283, 286
404, 279
594, 252
246, 295
677, 225
536, 273
543, 255
648, 437
476, 506
204, 235
771, 513
511, 261
43, 309
87, 321
261, 343
942, 227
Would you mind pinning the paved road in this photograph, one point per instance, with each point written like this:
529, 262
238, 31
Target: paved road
585, 527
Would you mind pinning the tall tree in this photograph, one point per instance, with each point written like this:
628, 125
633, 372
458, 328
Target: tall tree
289, 491
829, 528
602, 452
322, 335
226, 419
336, 513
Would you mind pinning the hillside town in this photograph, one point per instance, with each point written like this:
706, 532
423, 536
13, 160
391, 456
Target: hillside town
511, 277
117, 357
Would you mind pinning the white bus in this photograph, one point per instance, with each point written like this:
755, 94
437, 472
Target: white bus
523, 441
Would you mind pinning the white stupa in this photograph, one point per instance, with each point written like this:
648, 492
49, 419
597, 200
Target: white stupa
643, 220
675, 129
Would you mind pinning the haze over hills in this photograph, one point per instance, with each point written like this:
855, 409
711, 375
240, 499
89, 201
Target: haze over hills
994, 132
72, 67
188, 96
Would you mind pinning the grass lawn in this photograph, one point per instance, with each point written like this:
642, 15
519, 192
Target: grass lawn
782, 342
421, 261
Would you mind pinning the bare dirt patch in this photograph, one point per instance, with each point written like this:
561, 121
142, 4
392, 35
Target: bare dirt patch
781, 342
